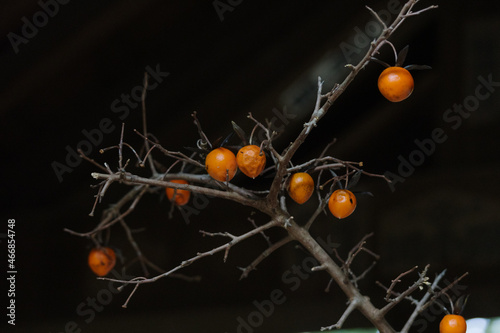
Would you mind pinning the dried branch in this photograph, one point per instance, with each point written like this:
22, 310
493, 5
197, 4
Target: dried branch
350, 308
264, 255
274, 203
377, 17
393, 302
136, 247
268, 241
355, 250
204, 143
177, 155
420, 304
232, 192
145, 125
443, 291
113, 215
82, 155
334, 94
234, 240
396, 281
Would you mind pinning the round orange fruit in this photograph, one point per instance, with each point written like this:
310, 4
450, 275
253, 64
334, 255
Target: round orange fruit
395, 83
452, 323
251, 161
301, 187
181, 196
221, 164
101, 260
342, 203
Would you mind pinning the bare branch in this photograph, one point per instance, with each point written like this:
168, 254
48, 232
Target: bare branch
377, 17
200, 255
264, 255
252, 221
350, 308
274, 204
443, 291
145, 124
113, 215
233, 192
134, 244
205, 143
177, 155
420, 304
393, 302
397, 280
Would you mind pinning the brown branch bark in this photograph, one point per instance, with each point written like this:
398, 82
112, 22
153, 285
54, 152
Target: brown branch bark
273, 204
363, 304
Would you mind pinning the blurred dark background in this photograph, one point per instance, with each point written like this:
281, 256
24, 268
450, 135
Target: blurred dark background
64, 77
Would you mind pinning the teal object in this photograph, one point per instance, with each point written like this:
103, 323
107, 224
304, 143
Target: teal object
493, 325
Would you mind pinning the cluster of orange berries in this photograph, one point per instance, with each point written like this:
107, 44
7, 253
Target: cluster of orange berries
221, 164
341, 204
395, 83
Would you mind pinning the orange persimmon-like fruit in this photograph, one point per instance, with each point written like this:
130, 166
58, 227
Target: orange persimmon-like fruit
251, 161
301, 187
102, 260
395, 83
221, 164
342, 203
452, 323
181, 196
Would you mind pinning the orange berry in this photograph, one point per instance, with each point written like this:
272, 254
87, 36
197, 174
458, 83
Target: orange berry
221, 164
452, 324
395, 84
102, 260
342, 203
181, 196
251, 161
301, 187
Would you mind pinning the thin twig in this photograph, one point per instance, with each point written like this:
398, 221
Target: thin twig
264, 255
134, 244
350, 308
393, 302
397, 280
420, 304
205, 142
443, 291
198, 256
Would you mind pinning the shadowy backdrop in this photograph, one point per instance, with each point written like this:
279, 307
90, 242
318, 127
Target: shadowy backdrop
71, 73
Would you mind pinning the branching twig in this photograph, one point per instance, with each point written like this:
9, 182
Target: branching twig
268, 241
420, 304
134, 244
393, 302
234, 240
443, 291
205, 143
113, 215
264, 255
274, 204
350, 308
396, 281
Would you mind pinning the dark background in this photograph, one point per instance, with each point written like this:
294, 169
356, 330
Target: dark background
261, 56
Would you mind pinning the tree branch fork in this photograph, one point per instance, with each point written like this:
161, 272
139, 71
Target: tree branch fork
272, 203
